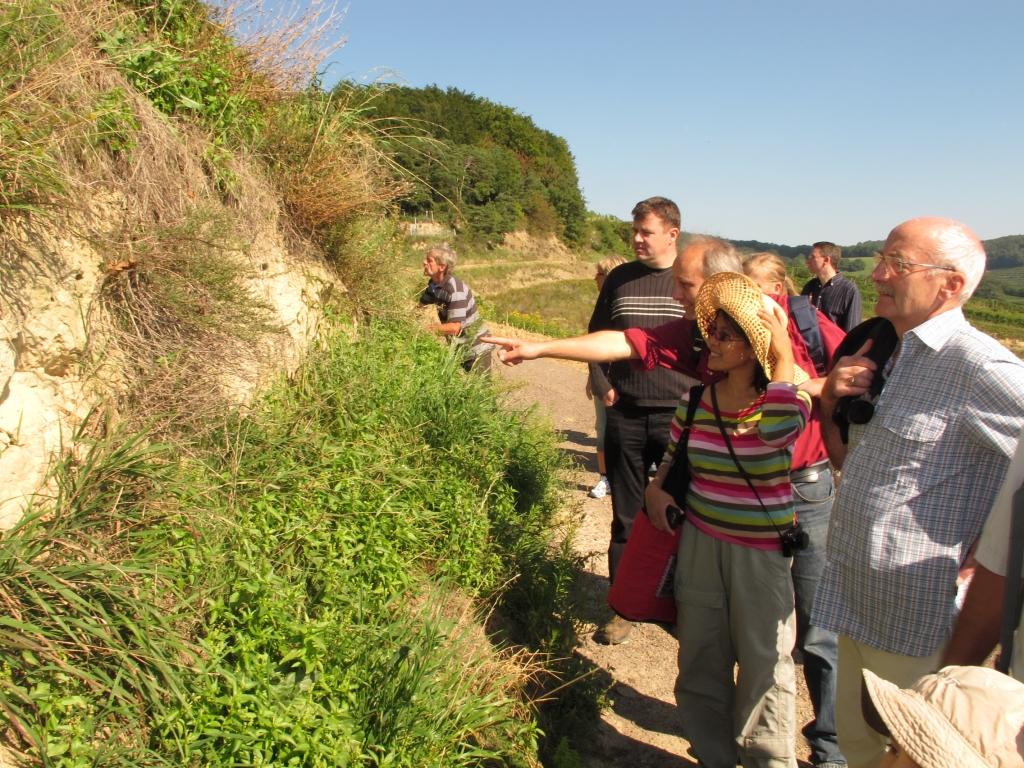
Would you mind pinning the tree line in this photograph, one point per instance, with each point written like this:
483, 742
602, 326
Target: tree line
478, 166
485, 169
1002, 252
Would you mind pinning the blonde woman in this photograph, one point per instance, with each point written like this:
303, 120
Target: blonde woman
601, 489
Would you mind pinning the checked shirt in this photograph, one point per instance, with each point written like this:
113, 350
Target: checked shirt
918, 482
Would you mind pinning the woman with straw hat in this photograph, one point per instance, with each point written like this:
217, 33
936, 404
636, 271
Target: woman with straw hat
733, 589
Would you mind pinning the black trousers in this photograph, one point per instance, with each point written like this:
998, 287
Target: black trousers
634, 439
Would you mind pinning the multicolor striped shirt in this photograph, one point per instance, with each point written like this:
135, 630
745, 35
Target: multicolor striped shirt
719, 502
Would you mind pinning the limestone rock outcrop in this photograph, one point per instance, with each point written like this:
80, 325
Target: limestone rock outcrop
55, 363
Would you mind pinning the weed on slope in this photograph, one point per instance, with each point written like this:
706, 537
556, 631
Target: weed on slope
311, 585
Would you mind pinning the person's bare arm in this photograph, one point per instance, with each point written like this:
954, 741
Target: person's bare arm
813, 387
834, 445
453, 328
597, 347
850, 376
976, 631
780, 345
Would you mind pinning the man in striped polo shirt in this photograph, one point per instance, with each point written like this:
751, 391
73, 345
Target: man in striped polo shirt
640, 403
457, 315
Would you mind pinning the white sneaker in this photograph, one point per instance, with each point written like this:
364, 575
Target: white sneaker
600, 490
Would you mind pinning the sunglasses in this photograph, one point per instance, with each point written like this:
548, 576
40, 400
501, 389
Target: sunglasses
722, 337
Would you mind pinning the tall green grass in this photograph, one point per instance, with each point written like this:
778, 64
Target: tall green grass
305, 587
91, 648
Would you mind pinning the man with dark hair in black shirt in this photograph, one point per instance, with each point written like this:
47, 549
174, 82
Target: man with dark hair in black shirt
833, 293
640, 403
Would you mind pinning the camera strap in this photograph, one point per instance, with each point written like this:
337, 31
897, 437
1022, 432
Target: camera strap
736, 461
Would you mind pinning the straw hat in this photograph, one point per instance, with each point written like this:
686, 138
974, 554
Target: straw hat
740, 298
960, 717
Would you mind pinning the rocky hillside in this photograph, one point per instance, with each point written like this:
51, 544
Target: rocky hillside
160, 244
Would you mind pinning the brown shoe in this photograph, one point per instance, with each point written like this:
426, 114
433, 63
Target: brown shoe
616, 631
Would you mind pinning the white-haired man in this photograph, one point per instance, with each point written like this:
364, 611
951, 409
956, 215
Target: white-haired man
930, 432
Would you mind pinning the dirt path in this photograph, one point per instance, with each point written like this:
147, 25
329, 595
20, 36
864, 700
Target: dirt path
640, 728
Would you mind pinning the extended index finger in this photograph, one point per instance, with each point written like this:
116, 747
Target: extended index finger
500, 341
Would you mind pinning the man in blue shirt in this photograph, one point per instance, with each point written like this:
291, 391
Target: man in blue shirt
830, 291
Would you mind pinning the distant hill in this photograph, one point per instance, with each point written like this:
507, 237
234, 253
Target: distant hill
785, 251
1003, 252
478, 166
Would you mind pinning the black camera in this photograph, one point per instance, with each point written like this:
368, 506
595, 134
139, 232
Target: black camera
860, 411
793, 539
674, 515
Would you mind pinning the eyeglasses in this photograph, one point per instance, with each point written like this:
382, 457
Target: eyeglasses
902, 267
722, 337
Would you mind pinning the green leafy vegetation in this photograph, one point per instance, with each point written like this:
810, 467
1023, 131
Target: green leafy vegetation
305, 583
479, 166
185, 65
304, 588
609, 235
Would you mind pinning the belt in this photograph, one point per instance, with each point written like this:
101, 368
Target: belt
809, 474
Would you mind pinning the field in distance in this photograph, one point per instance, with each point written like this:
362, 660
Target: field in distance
541, 286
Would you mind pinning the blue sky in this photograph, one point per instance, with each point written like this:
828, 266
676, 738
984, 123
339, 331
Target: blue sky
780, 120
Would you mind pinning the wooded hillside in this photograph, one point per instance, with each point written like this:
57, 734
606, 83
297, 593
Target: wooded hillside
479, 166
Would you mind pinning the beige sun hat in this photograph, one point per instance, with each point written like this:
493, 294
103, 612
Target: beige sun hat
740, 298
959, 717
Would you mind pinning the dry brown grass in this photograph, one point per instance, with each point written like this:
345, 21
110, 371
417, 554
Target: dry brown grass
287, 42
324, 158
154, 212
184, 322
327, 164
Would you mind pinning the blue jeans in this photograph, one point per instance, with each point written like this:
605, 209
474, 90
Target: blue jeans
819, 647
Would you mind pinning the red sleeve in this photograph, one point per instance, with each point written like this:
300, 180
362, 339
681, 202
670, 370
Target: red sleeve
668, 346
